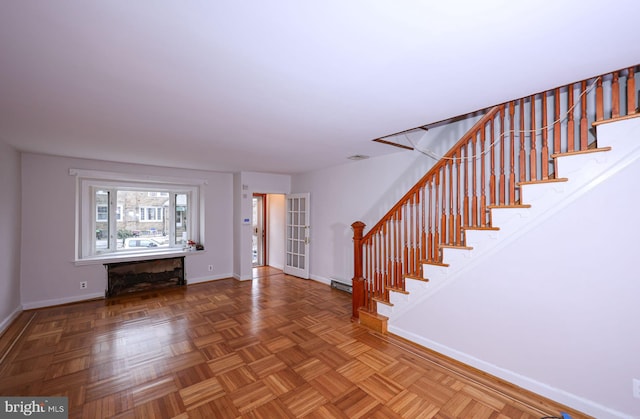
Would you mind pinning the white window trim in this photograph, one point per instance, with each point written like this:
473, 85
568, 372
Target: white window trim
86, 180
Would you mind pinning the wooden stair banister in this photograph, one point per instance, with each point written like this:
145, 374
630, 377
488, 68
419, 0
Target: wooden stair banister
512, 143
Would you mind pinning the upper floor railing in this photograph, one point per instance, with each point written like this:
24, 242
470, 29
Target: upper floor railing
513, 143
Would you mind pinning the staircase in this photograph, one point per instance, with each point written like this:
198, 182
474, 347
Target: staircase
521, 163
578, 172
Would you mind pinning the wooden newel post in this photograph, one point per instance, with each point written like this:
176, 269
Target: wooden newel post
357, 283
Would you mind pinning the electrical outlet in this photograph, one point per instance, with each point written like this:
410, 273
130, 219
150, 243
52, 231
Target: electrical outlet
636, 388
83, 285
210, 268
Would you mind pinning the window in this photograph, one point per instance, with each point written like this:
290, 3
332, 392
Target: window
151, 213
103, 213
119, 215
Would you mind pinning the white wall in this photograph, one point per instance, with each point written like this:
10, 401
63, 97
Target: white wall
363, 191
48, 274
558, 307
11, 236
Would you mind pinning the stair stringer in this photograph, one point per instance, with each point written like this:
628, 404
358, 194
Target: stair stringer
586, 171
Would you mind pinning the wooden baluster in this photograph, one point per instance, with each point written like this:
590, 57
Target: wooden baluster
492, 174
384, 261
436, 223
393, 250
544, 151
357, 283
458, 219
417, 233
396, 246
379, 263
412, 255
631, 91
387, 277
615, 96
557, 134
584, 133
376, 266
420, 230
523, 164
465, 205
453, 202
448, 239
512, 159
430, 223
374, 274
474, 179
369, 279
503, 190
483, 180
570, 126
406, 219
444, 230
533, 154
405, 243
423, 247
599, 100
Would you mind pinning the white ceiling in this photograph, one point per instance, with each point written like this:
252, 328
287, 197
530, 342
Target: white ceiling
281, 86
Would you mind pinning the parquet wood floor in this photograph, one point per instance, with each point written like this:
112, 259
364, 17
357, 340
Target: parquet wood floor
274, 347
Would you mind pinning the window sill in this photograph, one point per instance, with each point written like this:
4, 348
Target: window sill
129, 257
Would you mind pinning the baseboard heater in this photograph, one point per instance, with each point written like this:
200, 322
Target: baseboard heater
341, 286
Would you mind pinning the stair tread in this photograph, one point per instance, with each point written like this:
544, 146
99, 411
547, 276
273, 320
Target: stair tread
535, 182
398, 290
579, 152
510, 206
451, 246
618, 118
417, 278
382, 301
428, 262
482, 228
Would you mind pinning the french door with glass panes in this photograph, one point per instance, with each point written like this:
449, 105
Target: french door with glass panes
297, 236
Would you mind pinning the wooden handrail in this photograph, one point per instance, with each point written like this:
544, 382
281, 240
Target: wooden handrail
512, 142
450, 154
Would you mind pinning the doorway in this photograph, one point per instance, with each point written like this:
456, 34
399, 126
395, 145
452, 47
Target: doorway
259, 239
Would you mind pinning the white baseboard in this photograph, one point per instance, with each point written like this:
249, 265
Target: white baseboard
242, 278
207, 278
10, 318
95, 296
321, 279
587, 406
60, 301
